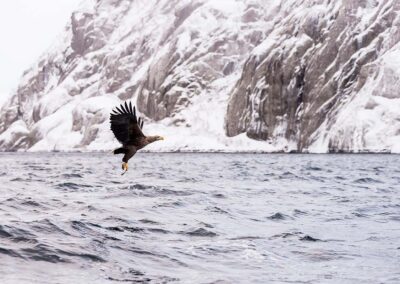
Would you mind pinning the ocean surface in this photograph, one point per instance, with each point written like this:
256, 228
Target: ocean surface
199, 218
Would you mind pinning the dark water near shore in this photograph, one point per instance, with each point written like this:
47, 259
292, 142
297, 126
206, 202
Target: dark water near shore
199, 218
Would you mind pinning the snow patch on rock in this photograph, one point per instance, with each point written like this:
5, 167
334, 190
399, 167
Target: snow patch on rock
311, 76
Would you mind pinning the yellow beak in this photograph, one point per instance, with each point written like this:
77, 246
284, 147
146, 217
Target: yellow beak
161, 138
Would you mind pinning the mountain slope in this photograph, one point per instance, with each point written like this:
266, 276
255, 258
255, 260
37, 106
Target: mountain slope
324, 79
217, 75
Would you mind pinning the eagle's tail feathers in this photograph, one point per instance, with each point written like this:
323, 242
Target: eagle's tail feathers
120, 151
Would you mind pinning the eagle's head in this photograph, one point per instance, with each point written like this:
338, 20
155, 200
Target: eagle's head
151, 139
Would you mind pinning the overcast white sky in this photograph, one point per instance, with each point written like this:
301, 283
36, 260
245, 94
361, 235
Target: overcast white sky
27, 29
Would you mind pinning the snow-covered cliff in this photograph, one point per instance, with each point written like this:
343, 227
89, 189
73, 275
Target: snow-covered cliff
268, 75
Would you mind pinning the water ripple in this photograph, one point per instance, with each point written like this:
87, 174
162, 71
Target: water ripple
199, 218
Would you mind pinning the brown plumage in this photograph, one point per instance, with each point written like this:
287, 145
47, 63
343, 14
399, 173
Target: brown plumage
128, 130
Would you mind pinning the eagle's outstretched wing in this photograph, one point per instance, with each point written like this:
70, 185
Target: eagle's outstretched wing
124, 123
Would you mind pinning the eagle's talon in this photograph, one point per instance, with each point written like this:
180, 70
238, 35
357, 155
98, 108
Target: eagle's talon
124, 167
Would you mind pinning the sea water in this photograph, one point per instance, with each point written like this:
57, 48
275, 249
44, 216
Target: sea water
199, 218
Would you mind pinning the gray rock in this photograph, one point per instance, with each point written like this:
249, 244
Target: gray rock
286, 73
315, 60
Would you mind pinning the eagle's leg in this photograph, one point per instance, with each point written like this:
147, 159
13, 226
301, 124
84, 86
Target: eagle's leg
128, 154
124, 167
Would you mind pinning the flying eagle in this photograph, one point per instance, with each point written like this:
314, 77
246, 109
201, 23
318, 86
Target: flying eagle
128, 130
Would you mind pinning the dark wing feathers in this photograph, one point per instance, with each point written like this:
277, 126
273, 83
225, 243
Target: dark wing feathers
126, 108
124, 123
140, 123
119, 110
123, 108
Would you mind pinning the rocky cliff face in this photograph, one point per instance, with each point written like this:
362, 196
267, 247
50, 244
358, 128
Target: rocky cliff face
320, 63
218, 75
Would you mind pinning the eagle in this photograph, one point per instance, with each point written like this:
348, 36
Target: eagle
127, 128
